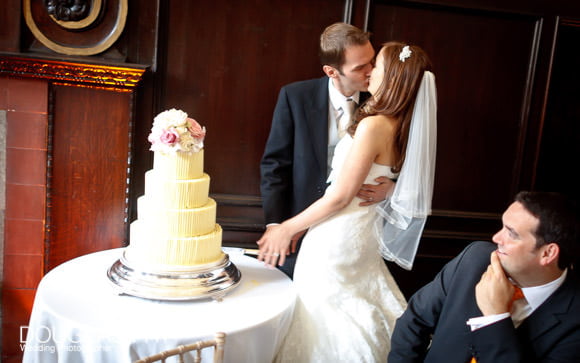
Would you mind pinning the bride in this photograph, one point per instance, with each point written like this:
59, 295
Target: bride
347, 299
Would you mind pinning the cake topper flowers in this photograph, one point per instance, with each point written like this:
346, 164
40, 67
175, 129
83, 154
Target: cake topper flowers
173, 131
405, 53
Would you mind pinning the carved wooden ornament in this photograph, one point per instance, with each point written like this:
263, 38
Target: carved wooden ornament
79, 27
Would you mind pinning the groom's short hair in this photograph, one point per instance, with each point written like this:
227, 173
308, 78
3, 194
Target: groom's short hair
335, 39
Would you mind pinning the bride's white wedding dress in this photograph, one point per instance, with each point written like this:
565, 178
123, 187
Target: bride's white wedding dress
347, 299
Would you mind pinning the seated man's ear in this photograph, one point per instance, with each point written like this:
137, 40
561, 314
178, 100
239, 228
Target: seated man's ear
550, 254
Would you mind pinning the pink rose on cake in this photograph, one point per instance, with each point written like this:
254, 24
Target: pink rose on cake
169, 137
173, 131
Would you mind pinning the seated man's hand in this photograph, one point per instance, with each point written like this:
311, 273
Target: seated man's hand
371, 194
494, 291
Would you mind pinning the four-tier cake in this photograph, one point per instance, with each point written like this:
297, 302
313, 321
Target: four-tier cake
175, 248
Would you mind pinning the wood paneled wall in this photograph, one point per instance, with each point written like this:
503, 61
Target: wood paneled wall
69, 140
89, 170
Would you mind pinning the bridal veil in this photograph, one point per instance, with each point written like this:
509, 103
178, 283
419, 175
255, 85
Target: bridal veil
402, 217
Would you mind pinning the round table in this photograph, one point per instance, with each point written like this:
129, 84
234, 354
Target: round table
78, 316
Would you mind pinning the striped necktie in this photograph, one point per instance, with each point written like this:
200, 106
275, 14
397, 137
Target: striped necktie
345, 118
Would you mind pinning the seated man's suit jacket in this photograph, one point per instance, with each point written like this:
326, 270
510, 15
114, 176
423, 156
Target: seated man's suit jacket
440, 311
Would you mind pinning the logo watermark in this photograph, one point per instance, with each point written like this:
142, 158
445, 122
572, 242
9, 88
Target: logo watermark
43, 339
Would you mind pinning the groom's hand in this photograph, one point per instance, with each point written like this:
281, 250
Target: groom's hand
371, 194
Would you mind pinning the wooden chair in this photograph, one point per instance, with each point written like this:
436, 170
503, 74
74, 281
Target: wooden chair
218, 343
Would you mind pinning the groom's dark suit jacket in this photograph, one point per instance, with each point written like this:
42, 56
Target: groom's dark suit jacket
442, 308
294, 164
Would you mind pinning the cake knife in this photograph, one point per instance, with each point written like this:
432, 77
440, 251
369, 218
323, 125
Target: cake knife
241, 251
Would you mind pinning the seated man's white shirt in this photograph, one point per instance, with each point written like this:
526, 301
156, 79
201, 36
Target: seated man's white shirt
521, 309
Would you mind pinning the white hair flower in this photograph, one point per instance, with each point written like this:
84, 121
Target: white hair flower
405, 53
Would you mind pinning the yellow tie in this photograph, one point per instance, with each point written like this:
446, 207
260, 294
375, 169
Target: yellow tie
518, 294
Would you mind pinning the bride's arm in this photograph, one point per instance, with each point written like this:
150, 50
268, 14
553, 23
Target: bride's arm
369, 141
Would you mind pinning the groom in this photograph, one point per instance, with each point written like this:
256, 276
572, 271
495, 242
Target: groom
468, 313
306, 126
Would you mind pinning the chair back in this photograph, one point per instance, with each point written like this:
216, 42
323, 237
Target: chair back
218, 357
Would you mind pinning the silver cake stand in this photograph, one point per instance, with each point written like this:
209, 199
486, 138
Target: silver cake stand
207, 281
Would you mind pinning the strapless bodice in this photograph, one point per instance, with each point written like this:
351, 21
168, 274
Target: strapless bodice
340, 154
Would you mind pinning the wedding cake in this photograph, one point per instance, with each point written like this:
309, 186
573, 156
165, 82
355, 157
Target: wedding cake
176, 225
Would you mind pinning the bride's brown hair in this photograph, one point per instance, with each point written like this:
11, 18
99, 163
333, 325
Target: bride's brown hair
395, 97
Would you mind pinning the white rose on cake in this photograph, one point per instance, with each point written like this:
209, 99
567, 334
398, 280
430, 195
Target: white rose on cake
174, 131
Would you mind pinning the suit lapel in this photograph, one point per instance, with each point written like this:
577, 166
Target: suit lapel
547, 316
317, 119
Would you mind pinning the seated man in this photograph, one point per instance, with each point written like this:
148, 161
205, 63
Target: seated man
467, 313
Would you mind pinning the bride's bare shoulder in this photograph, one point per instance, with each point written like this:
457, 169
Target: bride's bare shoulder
378, 123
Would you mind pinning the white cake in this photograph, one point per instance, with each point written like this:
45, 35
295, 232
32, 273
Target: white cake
176, 220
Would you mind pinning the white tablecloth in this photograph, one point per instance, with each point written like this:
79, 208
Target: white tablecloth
78, 317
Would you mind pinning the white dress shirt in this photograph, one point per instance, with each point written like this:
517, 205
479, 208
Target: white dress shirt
522, 308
